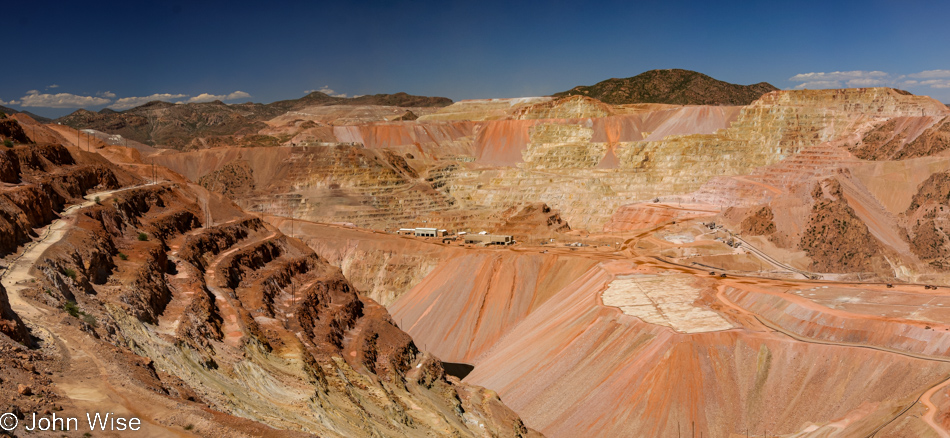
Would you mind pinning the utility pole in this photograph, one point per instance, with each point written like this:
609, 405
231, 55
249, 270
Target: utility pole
291, 218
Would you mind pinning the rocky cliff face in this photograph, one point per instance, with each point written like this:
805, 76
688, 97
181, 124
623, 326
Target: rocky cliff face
10, 323
12, 131
43, 179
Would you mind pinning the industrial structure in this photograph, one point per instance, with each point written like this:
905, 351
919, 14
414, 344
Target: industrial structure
489, 239
423, 232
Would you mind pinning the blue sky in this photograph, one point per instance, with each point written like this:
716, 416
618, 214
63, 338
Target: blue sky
59, 56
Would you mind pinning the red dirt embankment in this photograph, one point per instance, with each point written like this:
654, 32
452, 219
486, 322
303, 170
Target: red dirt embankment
811, 320
535, 329
490, 291
574, 367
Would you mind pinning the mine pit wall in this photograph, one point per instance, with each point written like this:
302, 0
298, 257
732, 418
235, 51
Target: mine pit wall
876, 192
421, 282
504, 142
327, 174
376, 188
382, 267
584, 167
439, 140
490, 291
777, 126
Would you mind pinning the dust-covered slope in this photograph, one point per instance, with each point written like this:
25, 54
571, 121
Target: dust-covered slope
572, 366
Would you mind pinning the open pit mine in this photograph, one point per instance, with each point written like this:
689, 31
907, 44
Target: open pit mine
398, 265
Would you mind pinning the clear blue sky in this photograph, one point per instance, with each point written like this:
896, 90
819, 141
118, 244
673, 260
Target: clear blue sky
58, 56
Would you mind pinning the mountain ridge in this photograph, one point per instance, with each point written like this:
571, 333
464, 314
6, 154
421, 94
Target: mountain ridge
165, 123
672, 86
38, 118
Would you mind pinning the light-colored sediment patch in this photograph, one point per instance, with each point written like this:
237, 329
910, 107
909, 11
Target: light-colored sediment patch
667, 300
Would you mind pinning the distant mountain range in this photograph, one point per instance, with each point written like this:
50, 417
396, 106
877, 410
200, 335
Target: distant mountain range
175, 125
675, 86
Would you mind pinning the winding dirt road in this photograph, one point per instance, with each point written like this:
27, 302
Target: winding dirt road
17, 276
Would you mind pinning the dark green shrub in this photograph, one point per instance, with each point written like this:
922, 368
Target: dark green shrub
143, 237
71, 308
70, 272
123, 256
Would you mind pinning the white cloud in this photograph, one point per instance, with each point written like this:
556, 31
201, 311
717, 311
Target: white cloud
862, 78
937, 83
837, 76
931, 74
865, 82
819, 84
328, 91
207, 97
132, 102
34, 98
